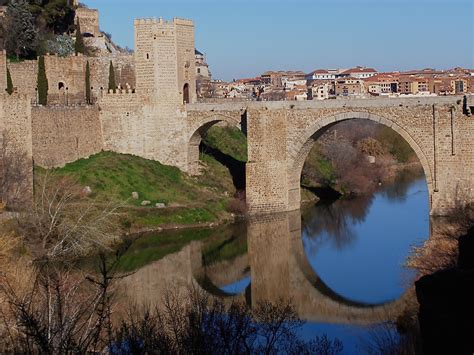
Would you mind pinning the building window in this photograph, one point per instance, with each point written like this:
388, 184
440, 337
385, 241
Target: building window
199, 70
147, 56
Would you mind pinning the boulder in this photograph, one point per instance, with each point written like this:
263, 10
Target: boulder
160, 205
146, 203
87, 190
135, 195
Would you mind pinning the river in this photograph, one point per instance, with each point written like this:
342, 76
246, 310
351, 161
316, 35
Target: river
341, 264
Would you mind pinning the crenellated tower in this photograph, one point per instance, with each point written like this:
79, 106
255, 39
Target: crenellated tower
164, 60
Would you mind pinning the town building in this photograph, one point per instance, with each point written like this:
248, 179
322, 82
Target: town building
411, 85
320, 90
382, 84
349, 86
203, 76
358, 72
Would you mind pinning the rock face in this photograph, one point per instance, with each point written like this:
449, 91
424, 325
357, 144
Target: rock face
446, 301
135, 195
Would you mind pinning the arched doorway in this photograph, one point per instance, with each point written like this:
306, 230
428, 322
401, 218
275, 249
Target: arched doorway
186, 94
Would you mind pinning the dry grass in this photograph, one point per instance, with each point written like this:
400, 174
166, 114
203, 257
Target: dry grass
441, 250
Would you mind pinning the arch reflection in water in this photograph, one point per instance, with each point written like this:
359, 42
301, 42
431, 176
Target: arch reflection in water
278, 270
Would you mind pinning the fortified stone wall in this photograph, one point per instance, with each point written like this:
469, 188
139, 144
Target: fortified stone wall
66, 79
65, 134
66, 76
89, 20
124, 65
24, 76
134, 124
16, 133
186, 57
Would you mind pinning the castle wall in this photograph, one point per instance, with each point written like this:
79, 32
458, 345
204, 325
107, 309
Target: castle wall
65, 73
16, 134
24, 76
186, 57
124, 66
89, 20
65, 134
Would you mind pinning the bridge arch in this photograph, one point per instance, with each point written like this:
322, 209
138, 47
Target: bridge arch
301, 148
198, 129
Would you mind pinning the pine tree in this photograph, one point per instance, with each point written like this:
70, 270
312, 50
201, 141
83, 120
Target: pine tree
9, 82
112, 85
88, 83
21, 39
42, 83
79, 46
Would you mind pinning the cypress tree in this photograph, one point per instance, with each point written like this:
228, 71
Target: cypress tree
112, 85
42, 83
88, 83
79, 46
21, 36
9, 82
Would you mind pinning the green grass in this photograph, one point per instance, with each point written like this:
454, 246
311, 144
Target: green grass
322, 170
116, 176
190, 200
229, 140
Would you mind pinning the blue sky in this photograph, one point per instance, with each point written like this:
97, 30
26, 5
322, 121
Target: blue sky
243, 38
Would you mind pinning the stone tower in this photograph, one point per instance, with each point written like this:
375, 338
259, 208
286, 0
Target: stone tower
164, 60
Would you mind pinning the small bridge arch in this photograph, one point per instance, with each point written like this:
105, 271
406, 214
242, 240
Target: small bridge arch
198, 126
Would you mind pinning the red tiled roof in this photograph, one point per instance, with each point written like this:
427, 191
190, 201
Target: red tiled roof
360, 70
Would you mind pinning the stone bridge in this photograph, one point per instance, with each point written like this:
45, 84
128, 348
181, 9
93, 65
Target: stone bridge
281, 134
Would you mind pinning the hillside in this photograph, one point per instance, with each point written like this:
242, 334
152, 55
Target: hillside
188, 200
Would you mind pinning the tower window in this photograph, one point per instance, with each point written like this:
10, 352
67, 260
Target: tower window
147, 56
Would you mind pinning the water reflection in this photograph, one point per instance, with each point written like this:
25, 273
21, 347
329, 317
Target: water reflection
338, 263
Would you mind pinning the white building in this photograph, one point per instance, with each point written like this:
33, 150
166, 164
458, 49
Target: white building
320, 90
359, 72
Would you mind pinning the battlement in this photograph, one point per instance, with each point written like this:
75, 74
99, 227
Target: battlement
161, 21
120, 92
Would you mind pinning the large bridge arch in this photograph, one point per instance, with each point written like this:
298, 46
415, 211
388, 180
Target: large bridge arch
300, 148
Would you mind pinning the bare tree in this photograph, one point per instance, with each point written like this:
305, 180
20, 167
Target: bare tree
64, 222
63, 310
16, 172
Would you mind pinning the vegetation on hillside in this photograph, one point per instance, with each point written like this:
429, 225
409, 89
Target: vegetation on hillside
339, 159
189, 200
228, 140
33, 28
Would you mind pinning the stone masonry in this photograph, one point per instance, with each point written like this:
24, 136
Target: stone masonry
160, 120
281, 134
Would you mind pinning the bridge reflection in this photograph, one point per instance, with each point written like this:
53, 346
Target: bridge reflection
279, 270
